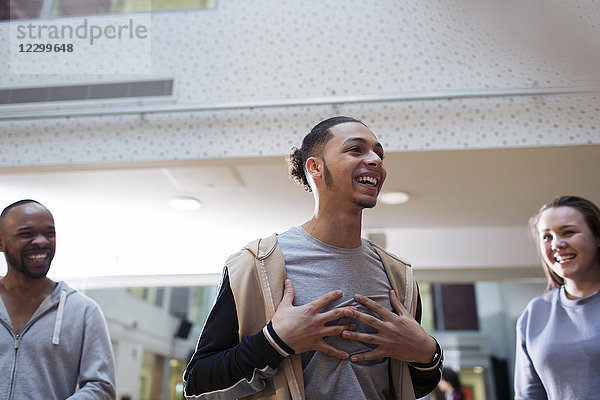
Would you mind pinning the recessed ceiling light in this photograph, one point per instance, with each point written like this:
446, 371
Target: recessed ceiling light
393, 198
185, 203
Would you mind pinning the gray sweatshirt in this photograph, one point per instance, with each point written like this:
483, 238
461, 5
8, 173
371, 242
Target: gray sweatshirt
558, 348
65, 346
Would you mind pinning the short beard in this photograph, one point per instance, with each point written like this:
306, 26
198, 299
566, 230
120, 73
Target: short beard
327, 176
17, 265
330, 184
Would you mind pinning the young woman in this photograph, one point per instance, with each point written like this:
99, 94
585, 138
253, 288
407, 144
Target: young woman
558, 334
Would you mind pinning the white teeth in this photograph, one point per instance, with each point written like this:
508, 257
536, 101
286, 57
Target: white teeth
564, 258
368, 180
37, 257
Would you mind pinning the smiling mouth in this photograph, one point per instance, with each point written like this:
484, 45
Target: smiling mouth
37, 256
562, 259
367, 180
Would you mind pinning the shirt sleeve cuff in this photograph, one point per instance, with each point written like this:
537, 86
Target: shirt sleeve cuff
276, 341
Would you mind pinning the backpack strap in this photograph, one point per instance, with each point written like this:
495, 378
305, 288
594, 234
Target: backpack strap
270, 268
270, 276
400, 274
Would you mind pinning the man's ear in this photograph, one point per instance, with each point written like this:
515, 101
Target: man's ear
313, 167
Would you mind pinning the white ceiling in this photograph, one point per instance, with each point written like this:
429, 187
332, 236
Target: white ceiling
117, 221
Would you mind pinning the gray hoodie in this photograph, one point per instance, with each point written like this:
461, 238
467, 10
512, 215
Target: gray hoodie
63, 352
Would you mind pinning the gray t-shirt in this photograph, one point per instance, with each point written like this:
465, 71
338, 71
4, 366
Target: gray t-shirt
316, 268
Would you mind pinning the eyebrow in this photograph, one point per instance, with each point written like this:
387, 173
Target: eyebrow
25, 228
362, 140
568, 226
560, 227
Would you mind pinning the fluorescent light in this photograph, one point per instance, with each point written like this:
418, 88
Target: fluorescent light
393, 198
185, 203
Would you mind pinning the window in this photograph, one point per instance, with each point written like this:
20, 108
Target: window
31, 9
448, 307
151, 377
155, 295
455, 307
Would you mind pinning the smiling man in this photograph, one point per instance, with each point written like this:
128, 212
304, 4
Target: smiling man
317, 312
54, 342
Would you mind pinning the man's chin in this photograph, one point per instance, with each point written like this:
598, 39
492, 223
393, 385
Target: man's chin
366, 203
37, 273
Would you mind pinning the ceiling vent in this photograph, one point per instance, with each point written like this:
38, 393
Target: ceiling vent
87, 92
45, 100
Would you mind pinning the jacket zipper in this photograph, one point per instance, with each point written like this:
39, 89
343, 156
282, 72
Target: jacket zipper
14, 367
16, 347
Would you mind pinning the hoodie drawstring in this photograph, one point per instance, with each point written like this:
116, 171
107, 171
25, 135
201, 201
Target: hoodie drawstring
59, 317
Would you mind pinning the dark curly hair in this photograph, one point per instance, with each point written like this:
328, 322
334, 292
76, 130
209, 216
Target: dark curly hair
313, 144
590, 213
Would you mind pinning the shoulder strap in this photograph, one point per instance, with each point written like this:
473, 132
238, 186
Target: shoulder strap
270, 272
270, 267
400, 274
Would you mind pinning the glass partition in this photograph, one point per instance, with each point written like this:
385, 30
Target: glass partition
153, 332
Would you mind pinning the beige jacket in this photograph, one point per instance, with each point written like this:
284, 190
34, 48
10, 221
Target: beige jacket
258, 291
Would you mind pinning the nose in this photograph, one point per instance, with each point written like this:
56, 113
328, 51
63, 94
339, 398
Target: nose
40, 241
558, 243
372, 159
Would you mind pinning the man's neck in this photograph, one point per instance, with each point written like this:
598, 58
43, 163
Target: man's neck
22, 286
337, 229
22, 296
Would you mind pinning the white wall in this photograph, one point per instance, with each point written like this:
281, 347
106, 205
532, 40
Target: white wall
444, 248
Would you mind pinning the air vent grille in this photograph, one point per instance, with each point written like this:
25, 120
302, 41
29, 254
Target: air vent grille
120, 90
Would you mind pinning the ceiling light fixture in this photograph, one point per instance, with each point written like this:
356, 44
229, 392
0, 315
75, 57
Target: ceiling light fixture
394, 198
185, 203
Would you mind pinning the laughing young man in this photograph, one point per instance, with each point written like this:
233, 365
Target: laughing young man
317, 312
54, 342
